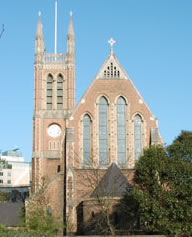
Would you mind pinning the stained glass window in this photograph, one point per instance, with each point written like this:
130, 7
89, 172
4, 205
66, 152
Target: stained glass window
87, 139
103, 147
121, 131
138, 142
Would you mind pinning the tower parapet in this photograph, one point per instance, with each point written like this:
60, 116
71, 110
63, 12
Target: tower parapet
54, 58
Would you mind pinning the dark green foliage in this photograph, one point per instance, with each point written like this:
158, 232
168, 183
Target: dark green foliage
44, 224
5, 232
4, 197
161, 201
4, 164
144, 201
181, 148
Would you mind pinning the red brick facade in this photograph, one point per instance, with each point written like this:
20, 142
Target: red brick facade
58, 157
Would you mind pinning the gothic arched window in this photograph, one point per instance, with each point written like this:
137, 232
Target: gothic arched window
121, 131
138, 138
103, 141
49, 91
60, 92
87, 139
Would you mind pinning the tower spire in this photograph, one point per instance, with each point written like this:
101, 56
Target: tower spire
71, 41
70, 29
39, 39
55, 26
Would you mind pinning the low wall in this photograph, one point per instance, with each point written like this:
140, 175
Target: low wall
10, 213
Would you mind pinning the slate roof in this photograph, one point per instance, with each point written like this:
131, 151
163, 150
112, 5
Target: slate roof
10, 213
113, 184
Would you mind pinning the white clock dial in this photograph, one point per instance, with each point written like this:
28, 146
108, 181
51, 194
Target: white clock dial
54, 130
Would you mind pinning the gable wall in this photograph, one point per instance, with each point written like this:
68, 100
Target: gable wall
111, 89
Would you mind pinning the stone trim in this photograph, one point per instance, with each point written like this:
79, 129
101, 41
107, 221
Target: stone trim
49, 114
46, 155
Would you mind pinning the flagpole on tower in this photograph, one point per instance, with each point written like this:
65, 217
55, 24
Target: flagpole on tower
55, 26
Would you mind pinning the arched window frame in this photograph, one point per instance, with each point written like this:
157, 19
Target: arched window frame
103, 126
138, 141
87, 140
121, 114
49, 92
60, 91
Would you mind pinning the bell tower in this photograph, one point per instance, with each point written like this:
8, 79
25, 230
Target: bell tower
54, 100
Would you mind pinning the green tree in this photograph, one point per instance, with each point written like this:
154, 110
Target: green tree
181, 148
162, 196
146, 198
40, 219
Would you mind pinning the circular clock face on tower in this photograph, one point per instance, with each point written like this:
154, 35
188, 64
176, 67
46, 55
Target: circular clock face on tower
54, 130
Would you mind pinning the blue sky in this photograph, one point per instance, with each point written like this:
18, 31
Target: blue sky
153, 44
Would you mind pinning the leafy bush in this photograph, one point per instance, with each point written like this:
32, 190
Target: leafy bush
40, 219
162, 196
21, 232
4, 197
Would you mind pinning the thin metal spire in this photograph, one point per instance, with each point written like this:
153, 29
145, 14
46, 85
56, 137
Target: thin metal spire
3, 29
55, 26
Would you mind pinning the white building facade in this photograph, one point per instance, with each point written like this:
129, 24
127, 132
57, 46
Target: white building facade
14, 171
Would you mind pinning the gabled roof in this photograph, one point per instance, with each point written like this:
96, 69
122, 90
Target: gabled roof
111, 69
113, 184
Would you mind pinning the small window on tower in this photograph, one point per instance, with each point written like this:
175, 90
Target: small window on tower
49, 91
60, 92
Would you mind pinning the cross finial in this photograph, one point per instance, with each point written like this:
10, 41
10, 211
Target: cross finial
39, 13
71, 13
111, 42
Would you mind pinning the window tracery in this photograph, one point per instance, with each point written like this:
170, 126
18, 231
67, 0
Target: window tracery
112, 71
121, 131
103, 127
138, 138
87, 139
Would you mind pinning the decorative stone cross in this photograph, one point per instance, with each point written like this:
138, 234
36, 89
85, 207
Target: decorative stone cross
111, 42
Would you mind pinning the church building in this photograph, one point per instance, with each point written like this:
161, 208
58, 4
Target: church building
77, 148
